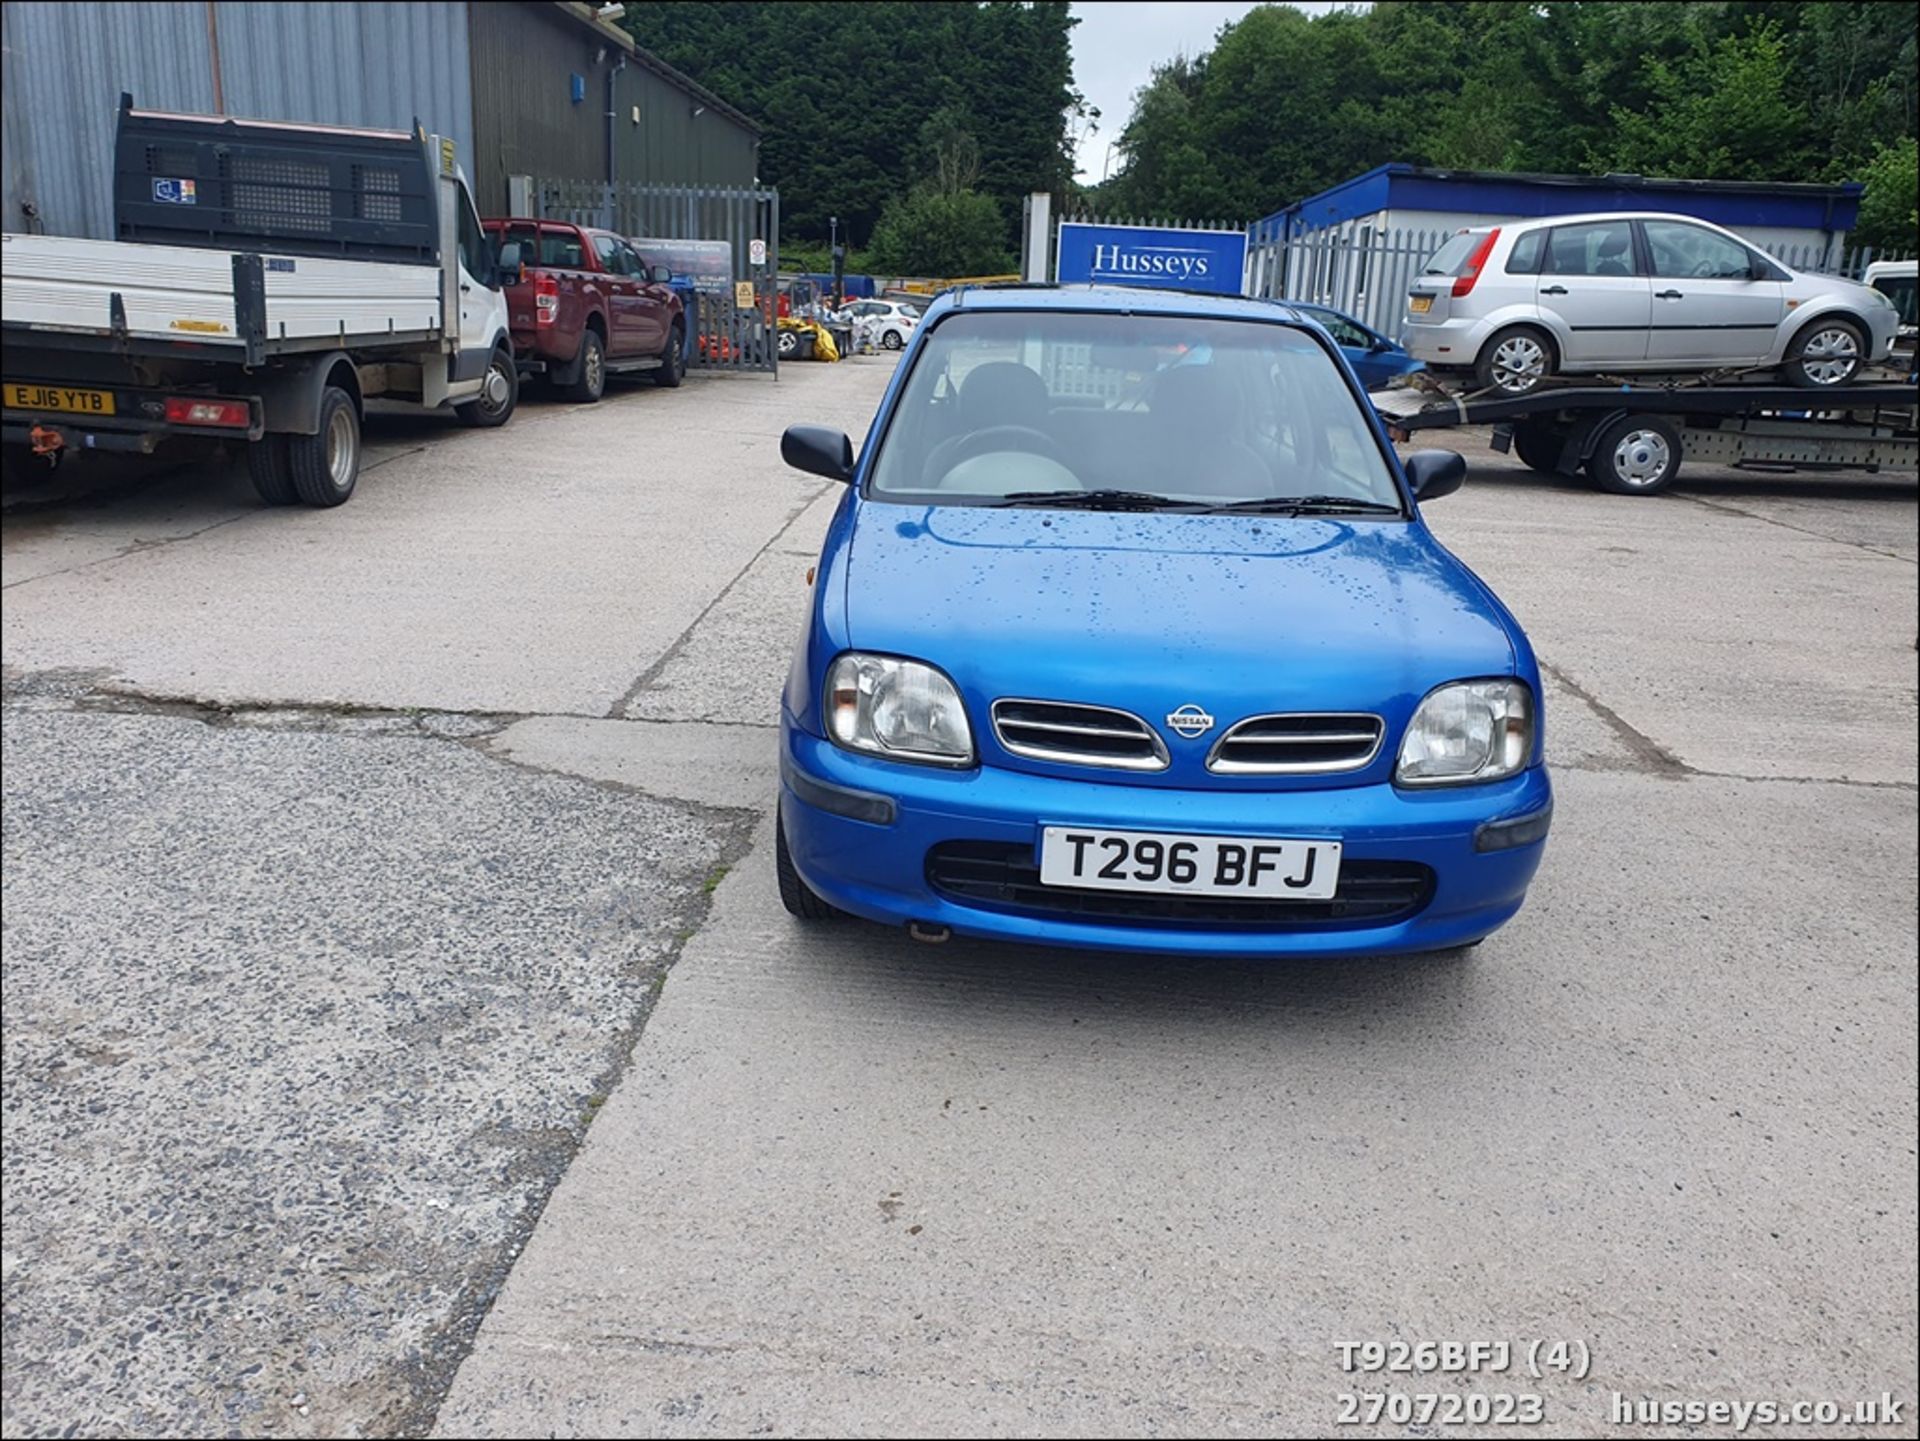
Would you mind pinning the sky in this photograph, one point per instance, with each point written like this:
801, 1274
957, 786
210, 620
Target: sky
1116, 46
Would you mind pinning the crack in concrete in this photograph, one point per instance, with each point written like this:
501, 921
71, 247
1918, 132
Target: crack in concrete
1726, 509
1654, 758
644, 681
134, 547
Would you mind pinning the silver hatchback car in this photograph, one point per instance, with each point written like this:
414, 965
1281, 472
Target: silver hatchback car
1520, 302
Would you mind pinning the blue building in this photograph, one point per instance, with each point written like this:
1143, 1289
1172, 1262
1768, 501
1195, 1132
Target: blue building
1355, 244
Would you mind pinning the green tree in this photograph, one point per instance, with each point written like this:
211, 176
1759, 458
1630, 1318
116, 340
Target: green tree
1727, 111
928, 233
1890, 209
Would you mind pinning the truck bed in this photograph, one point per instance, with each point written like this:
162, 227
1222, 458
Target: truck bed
174, 294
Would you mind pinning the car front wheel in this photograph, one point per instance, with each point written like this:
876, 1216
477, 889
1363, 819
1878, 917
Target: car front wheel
795, 894
1825, 354
1515, 361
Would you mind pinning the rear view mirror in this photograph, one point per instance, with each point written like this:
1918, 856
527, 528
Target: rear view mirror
660, 274
819, 450
1434, 473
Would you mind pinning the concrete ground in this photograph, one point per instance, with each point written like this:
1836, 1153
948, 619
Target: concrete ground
391, 951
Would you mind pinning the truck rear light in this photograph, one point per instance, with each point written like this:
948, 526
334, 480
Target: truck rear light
546, 300
1464, 282
228, 414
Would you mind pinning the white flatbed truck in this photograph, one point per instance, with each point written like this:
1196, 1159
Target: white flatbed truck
267, 280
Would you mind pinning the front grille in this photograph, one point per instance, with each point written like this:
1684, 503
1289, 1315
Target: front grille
1306, 744
996, 875
1081, 735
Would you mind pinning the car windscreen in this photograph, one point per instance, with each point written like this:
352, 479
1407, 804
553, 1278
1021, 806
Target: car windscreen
1900, 290
1033, 404
1451, 258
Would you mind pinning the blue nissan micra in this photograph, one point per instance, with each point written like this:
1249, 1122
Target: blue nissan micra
1128, 634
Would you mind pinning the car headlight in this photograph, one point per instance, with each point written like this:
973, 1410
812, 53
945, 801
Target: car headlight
1470, 730
900, 709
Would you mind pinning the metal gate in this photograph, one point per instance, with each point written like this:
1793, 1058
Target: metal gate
734, 272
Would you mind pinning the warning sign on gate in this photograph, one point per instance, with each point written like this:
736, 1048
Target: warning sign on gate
743, 294
756, 252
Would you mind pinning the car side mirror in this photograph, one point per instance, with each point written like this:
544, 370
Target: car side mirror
822, 450
1380, 343
1434, 473
660, 274
510, 263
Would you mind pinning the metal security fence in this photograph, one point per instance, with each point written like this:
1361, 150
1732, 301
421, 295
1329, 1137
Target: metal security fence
1365, 270
728, 335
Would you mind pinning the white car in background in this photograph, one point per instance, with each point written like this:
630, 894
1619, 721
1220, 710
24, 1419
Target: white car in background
1521, 302
889, 322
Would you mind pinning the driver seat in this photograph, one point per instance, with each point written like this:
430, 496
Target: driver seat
1001, 392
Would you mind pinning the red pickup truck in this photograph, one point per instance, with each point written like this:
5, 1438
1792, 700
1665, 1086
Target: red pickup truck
588, 305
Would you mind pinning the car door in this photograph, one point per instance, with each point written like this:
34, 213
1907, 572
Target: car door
1590, 282
1712, 301
623, 317
1355, 343
652, 302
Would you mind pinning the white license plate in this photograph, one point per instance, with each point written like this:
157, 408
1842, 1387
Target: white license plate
1252, 866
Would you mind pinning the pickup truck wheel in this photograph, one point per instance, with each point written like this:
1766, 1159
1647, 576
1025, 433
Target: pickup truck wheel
326, 464
591, 381
499, 392
1827, 353
1636, 455
271, 470
795, 894
673, 360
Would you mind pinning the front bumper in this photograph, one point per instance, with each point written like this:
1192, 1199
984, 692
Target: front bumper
880, 869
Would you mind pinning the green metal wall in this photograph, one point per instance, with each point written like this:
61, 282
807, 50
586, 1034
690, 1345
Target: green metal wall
525, 121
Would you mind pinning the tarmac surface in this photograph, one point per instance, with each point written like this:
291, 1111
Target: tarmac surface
402, 1030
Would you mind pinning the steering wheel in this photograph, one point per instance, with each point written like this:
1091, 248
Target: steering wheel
1009, 437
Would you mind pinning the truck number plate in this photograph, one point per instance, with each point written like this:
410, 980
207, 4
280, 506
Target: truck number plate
59, 397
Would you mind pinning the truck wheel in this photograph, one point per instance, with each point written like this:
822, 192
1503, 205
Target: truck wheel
590, 382
1515, 361
499, 392
673, 360
1636, 455
795, 894
271, 470
1827, 353
1538, 445
327, 464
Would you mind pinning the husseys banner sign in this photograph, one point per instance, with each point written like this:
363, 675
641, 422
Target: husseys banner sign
1213, 260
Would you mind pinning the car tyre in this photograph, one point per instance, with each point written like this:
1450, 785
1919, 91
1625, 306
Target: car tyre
1635, 455
590, 373
499, 393
326, 465
1538, 445
795, 894
1516, 361
892, 340
1827, 354
673, 360
271, 471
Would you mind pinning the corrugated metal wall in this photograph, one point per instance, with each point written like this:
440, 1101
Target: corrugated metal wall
344, 63
671, 145
527, 122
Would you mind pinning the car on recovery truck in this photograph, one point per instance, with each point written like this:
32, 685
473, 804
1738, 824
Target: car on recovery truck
265, 281
586, 305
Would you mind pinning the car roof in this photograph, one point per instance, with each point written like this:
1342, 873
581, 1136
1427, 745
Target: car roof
1590, 217
1115, 299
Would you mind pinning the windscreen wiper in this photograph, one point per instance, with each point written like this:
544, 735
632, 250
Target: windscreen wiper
1310, 505
1098, 500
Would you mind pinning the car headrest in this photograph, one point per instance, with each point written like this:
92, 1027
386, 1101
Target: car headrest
1003, 392
1613, 243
